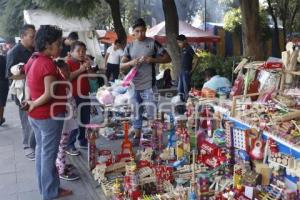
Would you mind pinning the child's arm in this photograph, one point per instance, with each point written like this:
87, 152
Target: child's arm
105, 60
83, 68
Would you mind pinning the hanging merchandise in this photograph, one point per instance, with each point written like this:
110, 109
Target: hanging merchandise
129, 77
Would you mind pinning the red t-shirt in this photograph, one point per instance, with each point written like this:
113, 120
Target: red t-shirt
84, 86
36, 70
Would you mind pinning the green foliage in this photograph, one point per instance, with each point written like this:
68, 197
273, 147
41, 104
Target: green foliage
11, 16
224, 66
287, 11
187, 9
266, 32
233, 20
230, 3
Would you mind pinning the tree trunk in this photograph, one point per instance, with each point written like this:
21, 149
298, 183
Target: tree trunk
276, 42
252, 42
116, 15
172, 29
284, 30
284, 16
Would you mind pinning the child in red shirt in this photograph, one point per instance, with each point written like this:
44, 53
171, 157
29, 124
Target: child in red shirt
79, 64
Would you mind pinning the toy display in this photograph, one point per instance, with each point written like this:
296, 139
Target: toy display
245, 147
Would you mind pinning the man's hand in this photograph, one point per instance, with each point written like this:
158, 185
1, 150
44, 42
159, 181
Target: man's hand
148, 59
135, 62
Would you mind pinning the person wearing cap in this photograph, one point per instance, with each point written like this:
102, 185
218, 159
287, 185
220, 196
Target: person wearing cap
143, 53
186, 63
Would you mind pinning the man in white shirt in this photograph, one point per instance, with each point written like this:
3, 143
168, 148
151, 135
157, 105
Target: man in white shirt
112, 60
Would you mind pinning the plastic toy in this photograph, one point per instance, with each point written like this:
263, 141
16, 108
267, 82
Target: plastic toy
257, 153
117, 193
131, 181
211, 155
240, 139
126, 145
180, 163
171, 139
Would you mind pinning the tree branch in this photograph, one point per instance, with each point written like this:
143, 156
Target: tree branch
294, 13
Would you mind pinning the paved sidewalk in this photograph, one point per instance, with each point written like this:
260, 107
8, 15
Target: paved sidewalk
17, 174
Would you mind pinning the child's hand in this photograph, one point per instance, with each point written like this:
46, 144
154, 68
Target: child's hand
83, 67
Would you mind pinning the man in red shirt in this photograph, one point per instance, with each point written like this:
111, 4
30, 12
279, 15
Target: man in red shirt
79, 64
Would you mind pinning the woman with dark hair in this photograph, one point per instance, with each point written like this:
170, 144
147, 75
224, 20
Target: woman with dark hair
44, 110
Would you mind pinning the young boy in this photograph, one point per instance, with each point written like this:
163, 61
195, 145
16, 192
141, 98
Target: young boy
112, 60
143, 53
79, 65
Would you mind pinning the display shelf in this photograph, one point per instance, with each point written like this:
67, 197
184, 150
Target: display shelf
281, 141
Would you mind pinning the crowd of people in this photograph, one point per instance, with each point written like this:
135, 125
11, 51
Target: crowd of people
53, 72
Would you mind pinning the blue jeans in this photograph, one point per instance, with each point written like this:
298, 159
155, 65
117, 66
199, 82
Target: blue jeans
142, 100
184, 85
28, 133
84, 117
47, 134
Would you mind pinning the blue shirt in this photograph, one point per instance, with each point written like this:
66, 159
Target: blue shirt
217, 82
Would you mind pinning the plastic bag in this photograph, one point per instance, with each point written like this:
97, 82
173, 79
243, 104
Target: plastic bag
105, 97
122, 99
129, 77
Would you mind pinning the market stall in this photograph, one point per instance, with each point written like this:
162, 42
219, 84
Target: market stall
239, 145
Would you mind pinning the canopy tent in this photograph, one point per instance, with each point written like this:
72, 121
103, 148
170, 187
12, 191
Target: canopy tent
111, 36
193, 34
83, 27
42, 17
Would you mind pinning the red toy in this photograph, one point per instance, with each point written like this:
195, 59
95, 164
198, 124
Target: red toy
257, 153
164, 172
126, 145
237, 86
273, 146
211, 155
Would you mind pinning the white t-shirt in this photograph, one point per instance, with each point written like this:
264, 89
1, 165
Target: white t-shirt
114, 55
